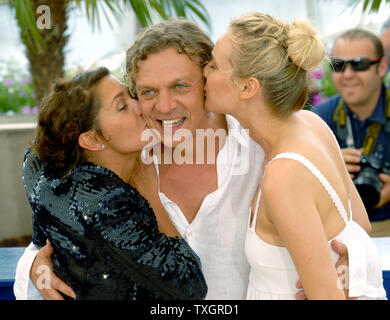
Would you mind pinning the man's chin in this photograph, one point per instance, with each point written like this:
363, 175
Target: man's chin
351, 100
351, 93
173, 142
172, 137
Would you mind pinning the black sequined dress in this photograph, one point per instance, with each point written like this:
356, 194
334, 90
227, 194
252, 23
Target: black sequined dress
105, 237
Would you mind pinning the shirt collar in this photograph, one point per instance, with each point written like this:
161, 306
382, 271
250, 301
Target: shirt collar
379, 113
235, 130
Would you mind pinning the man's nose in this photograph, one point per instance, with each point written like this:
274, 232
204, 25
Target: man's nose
348, 71
165, 102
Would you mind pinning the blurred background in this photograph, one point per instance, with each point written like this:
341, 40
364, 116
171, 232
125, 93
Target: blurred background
75, 35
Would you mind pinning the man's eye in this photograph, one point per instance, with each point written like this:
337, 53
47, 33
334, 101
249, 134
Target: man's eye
147, 92
180, 86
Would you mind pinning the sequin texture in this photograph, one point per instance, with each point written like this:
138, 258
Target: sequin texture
105, 237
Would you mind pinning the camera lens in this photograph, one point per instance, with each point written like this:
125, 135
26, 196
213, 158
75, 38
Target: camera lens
369, 186
369, 195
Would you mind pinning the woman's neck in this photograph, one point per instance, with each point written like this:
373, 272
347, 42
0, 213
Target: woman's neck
122, 165
268, 130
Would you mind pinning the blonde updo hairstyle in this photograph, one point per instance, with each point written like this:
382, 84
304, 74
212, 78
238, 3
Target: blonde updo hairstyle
278, 55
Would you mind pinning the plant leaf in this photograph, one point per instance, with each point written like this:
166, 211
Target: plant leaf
25, 17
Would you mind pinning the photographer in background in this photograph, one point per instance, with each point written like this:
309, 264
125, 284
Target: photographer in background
359, 116
385, 38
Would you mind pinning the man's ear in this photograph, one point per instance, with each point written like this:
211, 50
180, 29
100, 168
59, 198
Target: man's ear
383, 66
249, 88
89, 140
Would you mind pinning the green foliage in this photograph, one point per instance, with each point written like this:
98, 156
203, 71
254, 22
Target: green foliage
369, 6
25, 17
16, 90
327, 87
386, 80
143, 9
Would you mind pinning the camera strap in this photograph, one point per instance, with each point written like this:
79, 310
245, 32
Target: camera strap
371, 138
344, 128
387, 123
340, 117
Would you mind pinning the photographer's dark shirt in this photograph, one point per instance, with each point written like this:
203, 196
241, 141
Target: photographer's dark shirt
105, 237
359, 130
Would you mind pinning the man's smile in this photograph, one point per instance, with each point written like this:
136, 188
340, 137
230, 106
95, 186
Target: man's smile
172, 122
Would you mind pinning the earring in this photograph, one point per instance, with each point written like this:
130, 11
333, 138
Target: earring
103, 146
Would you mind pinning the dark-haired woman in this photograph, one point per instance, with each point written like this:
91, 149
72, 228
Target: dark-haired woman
105, 238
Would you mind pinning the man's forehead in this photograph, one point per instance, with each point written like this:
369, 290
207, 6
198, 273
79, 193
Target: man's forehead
170, 54
167, 67
169, 79
354, 47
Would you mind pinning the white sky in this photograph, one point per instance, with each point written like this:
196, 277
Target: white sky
107, 46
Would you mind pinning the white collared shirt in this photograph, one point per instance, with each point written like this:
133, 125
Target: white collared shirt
217, 233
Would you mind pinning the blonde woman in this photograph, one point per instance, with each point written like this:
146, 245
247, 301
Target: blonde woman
258, 74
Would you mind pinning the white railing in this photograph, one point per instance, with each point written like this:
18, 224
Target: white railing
17, 126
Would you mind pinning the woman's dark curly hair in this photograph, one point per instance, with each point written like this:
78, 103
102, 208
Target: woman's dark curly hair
71, 108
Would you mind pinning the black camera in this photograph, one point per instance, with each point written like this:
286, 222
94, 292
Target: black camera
367, 181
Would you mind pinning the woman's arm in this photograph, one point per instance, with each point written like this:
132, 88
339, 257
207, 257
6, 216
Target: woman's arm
112, 220
29, 268
167, 266
359, 213
145, 181
165, 224
288, 198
